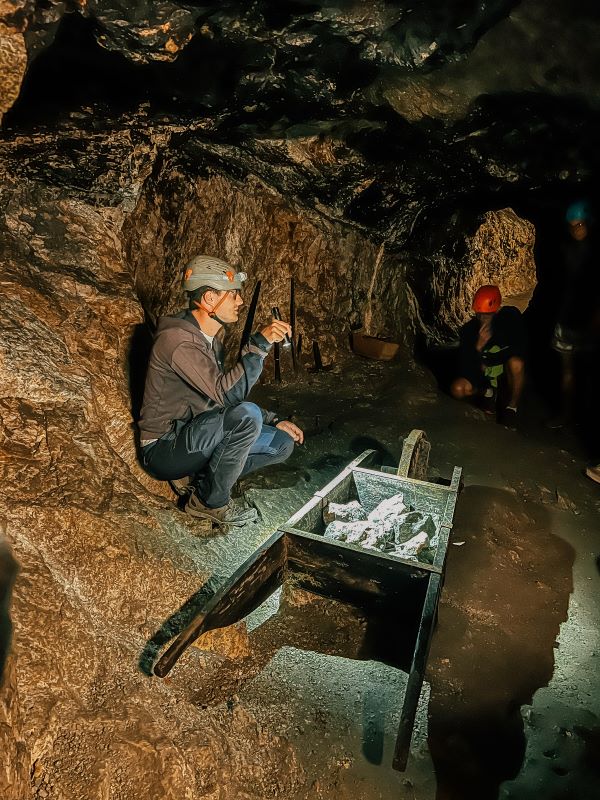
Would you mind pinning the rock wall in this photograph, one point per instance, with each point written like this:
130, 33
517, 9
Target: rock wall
342, 279
104, 558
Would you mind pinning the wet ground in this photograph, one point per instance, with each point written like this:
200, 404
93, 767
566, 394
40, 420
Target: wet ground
511, 703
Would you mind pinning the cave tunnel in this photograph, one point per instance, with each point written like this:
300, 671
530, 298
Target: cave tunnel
367, 167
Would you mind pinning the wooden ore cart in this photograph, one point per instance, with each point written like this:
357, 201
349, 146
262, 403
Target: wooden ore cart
398, 597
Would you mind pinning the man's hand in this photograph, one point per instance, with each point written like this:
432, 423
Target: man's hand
276, 331
293, 430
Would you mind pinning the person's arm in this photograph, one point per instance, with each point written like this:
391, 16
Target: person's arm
200, 370
294, 431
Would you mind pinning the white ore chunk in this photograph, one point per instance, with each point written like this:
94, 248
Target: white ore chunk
351, 532
344, 512
379, 539
412, 548
387, 512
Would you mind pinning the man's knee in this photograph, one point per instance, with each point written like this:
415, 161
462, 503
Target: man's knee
515, 365
247, 415
461, 388
285, 445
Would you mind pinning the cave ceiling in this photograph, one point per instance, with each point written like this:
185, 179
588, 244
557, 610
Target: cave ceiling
377, 114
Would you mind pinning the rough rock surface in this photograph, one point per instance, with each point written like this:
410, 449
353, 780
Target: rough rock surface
13, 57
100, 568
411, 108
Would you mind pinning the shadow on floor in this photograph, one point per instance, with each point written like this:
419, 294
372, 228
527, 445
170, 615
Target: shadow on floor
177, 622
506, 594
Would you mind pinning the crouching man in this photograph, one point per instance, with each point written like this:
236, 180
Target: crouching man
197, 428
492, 346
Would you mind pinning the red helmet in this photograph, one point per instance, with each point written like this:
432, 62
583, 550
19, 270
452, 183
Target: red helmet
487, 300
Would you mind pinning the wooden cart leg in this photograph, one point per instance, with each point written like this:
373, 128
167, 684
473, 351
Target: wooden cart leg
416, 675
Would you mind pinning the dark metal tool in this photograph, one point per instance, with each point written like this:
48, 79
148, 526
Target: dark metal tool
317, 357
250, 318
293, 323
277, 315
319, 366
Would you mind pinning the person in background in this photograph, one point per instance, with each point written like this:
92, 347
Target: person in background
578, 287
493, 345
197, 428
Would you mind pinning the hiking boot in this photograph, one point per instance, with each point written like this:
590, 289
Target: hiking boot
224, 515
593, 473
509, 417
487, 402
181, 486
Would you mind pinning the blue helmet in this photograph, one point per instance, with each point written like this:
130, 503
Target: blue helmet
578, 211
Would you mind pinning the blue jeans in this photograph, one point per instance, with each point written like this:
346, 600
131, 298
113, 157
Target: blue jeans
215, 449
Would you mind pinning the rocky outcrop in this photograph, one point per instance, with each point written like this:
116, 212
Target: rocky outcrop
13, 56
342, 279
377, 116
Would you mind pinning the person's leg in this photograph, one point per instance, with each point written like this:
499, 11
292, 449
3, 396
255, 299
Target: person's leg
567, 391
465, 389
515, 376
242, 425
186, 450
272, 447
462, 388
567, 385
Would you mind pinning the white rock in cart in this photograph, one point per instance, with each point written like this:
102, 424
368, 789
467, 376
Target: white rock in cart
412, 548
351, 532
407, 526
344, 512
388, 511
379, 539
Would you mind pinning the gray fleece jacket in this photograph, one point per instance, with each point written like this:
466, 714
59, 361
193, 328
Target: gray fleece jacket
186, 377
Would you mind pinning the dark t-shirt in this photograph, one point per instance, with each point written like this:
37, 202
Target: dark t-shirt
580, 285
508, 339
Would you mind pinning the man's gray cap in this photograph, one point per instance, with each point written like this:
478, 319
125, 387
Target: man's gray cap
204, 270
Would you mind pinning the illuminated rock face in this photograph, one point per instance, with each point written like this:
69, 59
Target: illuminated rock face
94, 536
13, 61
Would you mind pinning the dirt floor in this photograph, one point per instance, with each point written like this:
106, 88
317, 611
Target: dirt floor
511, 703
